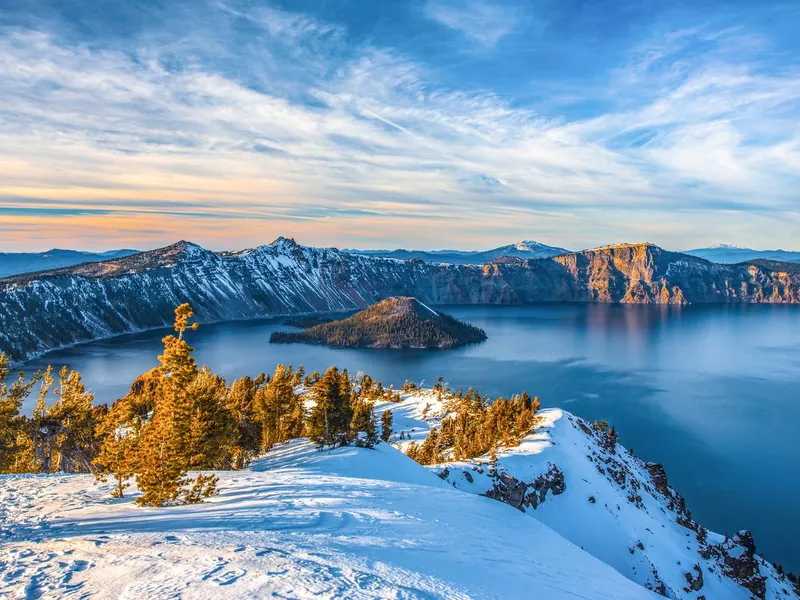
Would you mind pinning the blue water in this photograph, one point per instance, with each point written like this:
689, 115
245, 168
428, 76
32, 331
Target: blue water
713, 393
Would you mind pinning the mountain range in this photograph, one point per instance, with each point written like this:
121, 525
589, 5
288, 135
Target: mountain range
727, 254
47, 310
15, 263
523, 249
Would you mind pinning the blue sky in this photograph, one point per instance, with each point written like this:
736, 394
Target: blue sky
418, 123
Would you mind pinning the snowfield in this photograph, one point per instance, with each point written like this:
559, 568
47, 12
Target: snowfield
349, 523
569, 514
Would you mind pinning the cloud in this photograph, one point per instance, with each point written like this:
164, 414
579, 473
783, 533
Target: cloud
479, 21
232, 125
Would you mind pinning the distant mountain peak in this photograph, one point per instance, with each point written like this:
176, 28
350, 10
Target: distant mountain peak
529, 245
284, 242
726, 247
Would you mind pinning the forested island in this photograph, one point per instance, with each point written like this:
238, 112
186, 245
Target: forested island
400, 322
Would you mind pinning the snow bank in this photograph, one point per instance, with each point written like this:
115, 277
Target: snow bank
351, 523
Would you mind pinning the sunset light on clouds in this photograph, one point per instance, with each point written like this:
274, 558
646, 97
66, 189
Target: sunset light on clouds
425, 124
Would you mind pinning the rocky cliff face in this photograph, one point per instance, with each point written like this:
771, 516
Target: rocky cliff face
47, 310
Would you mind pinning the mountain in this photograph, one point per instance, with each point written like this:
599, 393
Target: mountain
30, 262
727, 254
524, 249
399, 322
43, 311
580, 482
346, 523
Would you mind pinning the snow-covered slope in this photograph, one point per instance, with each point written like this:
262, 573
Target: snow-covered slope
595, 493
351, 523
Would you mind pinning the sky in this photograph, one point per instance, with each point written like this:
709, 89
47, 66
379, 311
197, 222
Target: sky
399, 123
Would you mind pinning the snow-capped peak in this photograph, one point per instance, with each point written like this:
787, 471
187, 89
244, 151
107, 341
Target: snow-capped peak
529, 246
726, 247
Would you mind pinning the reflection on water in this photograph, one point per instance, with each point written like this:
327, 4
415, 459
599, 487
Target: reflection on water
711, 392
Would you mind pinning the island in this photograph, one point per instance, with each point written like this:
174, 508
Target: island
398, 322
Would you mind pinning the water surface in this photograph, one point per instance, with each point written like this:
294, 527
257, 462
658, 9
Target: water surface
710, 392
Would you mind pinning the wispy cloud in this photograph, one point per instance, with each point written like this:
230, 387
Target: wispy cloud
479, 21
234, 124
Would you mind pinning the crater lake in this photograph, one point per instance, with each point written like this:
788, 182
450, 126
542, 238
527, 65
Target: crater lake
711, 392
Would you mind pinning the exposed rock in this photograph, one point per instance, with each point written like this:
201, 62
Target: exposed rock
695, 582
520, 495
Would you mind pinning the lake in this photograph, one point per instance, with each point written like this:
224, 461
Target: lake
713, 393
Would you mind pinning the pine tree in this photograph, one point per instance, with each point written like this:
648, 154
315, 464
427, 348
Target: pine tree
363, 421
241, 403
328, 423
212, 431
386, 425
13, 436
118, 441
71, 423
162, 460
277, 409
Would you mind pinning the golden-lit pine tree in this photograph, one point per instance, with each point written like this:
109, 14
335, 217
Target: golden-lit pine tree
162, 455
15, 446
276, 406
241, 402
118, 441
71, 423
212, 431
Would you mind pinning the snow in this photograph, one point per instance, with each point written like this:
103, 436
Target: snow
640, 539
352, 523
423, 305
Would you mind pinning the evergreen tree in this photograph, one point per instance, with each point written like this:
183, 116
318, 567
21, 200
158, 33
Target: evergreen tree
14, 441
163, 454
386, 425
118, 445
72, 420
212, 432
241, 403
328, 423
279, 410
363, 421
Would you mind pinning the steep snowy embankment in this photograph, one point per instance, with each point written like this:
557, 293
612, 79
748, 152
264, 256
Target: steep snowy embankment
352, 523
599, 496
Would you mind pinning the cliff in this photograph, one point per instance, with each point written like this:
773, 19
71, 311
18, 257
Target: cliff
43, 311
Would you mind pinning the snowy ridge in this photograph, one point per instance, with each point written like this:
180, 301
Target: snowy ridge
350, 523
596, 494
